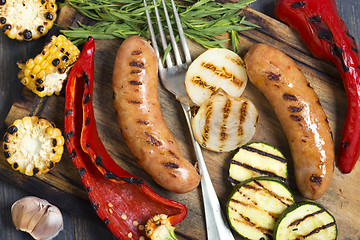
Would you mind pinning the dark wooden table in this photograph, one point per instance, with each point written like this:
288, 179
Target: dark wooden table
76, 227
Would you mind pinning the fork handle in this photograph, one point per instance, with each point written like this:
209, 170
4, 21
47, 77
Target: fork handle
216, 223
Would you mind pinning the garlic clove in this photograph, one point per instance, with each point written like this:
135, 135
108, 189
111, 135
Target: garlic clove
49, 225
27, 211
38, 217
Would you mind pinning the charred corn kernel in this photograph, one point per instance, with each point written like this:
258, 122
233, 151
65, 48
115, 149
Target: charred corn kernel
46, 73
27, 20
33, 145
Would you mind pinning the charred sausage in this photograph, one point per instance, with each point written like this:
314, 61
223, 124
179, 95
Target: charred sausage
141, 120
300, 113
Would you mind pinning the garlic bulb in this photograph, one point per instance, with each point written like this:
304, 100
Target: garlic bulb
38, 217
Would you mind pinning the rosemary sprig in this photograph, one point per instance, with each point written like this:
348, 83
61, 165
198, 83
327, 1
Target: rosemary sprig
203, 21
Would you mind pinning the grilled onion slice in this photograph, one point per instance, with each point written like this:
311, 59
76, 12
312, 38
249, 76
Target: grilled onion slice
215, 68
224, 123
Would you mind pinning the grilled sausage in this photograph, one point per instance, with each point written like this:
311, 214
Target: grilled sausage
141, 120
300, 113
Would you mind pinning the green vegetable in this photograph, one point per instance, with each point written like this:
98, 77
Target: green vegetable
201, 21
255, 204
305, 220
257, 159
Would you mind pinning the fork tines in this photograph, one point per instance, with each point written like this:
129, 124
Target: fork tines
174, 46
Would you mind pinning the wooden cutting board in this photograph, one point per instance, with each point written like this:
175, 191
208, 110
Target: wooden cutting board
62, 186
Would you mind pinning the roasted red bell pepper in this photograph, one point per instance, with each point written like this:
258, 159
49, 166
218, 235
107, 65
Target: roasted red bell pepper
327, 36
123, 201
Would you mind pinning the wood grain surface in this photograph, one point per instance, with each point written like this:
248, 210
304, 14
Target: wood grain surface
62, 185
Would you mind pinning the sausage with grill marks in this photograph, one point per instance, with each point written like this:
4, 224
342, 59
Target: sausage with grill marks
141, 120
300, 113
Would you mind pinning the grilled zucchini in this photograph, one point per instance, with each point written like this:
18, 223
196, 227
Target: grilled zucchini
257, 159
255, 204
305, 220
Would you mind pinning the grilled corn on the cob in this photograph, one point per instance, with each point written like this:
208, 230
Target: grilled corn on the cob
46, 73
27, 19
33, 145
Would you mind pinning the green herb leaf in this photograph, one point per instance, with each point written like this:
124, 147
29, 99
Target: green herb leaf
203, 21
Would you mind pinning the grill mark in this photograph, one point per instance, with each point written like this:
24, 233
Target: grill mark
170, 165
318, 229
254, 205
245, 219
273, 76
237, 61
135, 71
315, 19
296, 118
81, 172
136, 52
205, 134
152, 140
298, 221
221, 72
144, 122
199, 82
137, 64
87, 121
263, 153
233, 180
135, 101
289, 97
262, 172
339, 53
294, 109
349, 35
173, 154
86, 79
316, 179
99, 161
274, 195
243, 113
354, 49
87, 98
226, 113
298, 4
129, 180
73, 154
68, 112
69, 135
134, 82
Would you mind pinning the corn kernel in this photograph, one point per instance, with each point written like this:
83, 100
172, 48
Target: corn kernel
41, 74
41, 159
27, 72
36, 69
30, 64
38, 59
49, 61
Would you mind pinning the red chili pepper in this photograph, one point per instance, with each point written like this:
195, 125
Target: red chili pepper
327, 36
123, 201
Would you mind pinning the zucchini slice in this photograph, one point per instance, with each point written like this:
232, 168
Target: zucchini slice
257, 159
255, 204
305, 220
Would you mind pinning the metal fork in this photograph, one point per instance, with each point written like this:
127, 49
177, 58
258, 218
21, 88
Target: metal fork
173, 77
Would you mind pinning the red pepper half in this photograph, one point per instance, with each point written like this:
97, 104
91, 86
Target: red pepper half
327, 36
123, 201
